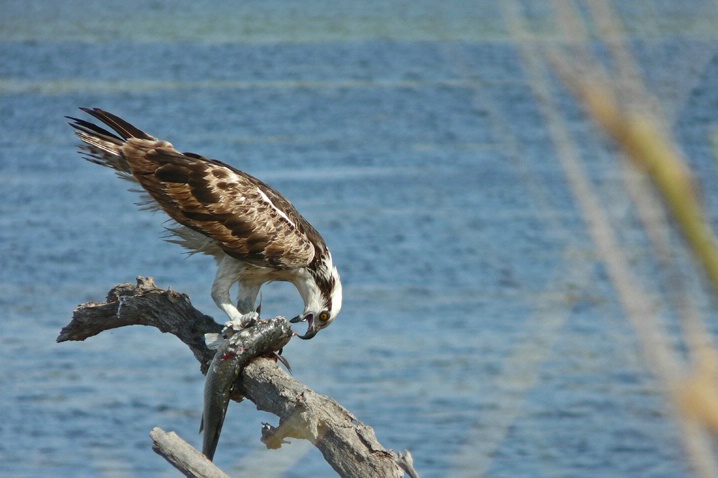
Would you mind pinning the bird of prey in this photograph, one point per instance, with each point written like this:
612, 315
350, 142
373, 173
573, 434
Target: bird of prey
255, 234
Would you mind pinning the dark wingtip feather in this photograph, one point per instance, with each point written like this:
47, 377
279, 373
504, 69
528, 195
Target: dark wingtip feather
91, 128
121, 127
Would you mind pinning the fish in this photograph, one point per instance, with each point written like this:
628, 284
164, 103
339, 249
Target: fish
235, 350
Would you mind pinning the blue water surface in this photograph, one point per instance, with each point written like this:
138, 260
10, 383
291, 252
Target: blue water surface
480, 328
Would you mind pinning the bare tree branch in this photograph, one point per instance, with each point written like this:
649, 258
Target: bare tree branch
183, 456
349, 446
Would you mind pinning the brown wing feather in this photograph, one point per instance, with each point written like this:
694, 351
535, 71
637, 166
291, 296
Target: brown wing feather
249, 220
223, 203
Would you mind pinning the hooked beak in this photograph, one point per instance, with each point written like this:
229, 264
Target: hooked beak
311, 330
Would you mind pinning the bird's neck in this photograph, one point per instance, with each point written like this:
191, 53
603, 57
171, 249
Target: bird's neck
310, 291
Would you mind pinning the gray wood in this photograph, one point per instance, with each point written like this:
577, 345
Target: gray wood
183, 456
348, 445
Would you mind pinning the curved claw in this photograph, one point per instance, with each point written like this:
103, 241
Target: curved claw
284, 361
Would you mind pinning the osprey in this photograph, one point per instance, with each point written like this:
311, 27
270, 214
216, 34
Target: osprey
254, 233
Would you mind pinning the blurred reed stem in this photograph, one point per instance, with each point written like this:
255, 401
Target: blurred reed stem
651, 150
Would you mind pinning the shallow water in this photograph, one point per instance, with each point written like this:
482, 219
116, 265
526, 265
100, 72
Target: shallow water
479, 328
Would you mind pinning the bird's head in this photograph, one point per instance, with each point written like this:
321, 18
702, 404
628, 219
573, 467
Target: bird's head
322, 294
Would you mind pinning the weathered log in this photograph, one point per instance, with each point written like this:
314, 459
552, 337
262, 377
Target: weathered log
349, 446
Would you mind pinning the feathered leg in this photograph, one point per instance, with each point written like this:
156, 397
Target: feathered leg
228, 272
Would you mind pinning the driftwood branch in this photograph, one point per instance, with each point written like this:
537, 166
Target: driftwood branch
349, 446
183, 456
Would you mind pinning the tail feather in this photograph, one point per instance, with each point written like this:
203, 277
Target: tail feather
105, 151
108, 148
102, 146
122, 127
92, 129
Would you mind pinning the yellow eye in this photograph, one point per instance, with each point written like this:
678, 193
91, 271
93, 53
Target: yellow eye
324, 316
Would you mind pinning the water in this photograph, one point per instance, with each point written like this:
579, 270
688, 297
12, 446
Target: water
479, 328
